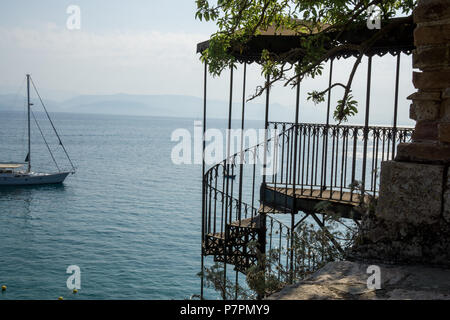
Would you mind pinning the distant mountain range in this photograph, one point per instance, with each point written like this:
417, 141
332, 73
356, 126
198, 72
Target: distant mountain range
145, 105
182, 107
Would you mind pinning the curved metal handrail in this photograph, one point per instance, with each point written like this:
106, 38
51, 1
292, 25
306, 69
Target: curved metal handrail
230, 160
336, 157
329, 157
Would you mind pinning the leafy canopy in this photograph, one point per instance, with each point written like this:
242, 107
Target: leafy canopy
238, 21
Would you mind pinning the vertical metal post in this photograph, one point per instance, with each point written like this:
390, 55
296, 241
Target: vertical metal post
329, 91
29, 123
241, 164
241, 161
294, 176
227, 166
366, 125
203, 178
397, 79
266, 126
325, 143
230, 107
262, 232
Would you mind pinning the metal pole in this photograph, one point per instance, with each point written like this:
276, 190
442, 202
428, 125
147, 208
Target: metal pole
241, 160
227, 166
294, 209
329, 91
325, 147
262, 233
241, 164
29, 123
397, 79
266, 126
366, 125
203, 176
230, 107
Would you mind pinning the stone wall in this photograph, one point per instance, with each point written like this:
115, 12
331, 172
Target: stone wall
411, 223
412, 219
431, 103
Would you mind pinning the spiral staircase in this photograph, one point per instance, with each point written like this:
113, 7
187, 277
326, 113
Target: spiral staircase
239, 227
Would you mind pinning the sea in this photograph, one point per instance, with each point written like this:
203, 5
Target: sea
129, 218
127, 224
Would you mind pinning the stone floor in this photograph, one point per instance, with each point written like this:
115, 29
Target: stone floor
348, 280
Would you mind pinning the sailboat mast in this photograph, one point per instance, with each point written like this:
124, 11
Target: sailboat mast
29, 124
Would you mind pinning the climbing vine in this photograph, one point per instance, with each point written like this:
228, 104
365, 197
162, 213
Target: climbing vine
238, 21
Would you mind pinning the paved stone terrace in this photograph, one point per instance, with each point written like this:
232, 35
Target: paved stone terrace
348, 280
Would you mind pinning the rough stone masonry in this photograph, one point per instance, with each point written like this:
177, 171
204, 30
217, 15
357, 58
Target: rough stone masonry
408, 235
412, 219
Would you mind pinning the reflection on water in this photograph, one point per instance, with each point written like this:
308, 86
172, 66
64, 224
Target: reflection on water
20, 198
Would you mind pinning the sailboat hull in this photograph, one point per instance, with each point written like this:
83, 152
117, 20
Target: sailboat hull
32, 179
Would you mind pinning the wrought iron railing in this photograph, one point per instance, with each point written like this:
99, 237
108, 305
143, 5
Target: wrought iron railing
325, 162
335, 159
231, 203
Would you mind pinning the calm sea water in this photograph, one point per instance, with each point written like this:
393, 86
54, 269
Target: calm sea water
129, 218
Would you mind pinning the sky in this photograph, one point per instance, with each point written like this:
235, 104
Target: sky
147, 47
136, 46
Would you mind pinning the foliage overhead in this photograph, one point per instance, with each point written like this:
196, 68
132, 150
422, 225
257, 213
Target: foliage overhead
238, 21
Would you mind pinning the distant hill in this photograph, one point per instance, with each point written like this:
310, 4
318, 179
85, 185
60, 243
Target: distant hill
146, 105
12, 102
162, 105
8, 102
184, 107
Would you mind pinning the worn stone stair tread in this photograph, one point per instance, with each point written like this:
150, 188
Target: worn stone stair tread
217, 235
330, 195
253, 223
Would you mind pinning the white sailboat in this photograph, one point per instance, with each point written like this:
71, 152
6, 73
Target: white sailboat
13, 174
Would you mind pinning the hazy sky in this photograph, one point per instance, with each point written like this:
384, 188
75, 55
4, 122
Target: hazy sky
143, 47
136, 46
